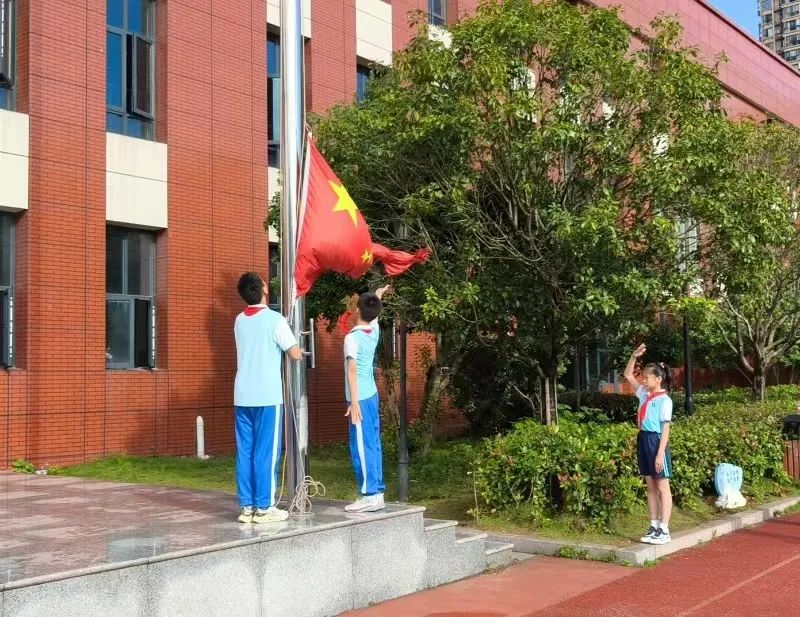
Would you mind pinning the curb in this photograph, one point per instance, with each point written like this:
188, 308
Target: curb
637, 554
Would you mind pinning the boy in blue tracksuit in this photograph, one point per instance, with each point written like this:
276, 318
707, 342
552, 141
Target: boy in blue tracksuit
362, 404
263, 337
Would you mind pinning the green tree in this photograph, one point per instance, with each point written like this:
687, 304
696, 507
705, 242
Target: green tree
545, 158
757, 284
545, 162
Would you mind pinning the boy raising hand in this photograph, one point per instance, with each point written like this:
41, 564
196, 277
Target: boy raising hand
363, 407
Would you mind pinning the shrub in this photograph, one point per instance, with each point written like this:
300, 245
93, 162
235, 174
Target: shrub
746, 435
584, 470
590, 470
586, 415
617, 407
782, 393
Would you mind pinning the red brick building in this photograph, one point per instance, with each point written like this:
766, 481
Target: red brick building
136, 138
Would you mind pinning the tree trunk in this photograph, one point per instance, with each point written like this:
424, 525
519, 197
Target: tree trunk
578, 384
546, 407
549, 400
390, 407
759, 385
435, 385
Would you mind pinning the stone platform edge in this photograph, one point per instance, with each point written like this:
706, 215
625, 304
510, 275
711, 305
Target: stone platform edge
636, 554
211, 548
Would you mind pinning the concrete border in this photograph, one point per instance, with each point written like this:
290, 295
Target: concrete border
637, 554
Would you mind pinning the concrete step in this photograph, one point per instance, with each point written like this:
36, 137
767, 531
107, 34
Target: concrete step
498, 554
434, 524
453, 553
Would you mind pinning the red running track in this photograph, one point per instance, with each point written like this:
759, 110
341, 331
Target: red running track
751, 573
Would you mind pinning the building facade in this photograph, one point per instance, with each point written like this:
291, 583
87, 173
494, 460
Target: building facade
779, 28
138, 148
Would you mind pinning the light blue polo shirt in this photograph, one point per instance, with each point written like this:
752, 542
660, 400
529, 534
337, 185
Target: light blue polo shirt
360, 345
262, 335
659, 410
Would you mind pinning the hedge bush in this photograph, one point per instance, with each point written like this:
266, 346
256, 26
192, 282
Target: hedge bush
618, 407
590, 470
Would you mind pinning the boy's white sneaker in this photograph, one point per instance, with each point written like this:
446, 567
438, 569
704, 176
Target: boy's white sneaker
367, 503
270, 515
246, 514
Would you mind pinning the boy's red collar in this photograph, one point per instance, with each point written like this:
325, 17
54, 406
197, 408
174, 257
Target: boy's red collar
254, 309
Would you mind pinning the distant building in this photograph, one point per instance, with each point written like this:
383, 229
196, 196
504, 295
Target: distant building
780, 28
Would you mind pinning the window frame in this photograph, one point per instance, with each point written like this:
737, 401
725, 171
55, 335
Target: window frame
437, 19
8, 45
7, 298
363, 75
131, 108
131, 300
274, 102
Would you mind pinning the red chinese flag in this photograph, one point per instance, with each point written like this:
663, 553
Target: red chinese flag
397, 262
334, 236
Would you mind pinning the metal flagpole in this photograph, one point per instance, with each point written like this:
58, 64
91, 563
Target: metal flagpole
292, 132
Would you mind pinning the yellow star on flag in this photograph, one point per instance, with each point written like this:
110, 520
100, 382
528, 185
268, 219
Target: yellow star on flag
344, 203
367, 256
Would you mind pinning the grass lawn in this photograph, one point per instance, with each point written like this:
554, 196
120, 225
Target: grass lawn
440, 481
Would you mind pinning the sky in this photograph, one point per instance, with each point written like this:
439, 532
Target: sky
743, 12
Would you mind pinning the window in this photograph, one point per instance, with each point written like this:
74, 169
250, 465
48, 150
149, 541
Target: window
273, 100
363, 73
130, 301
6, 290
130, 67
436, 12
6, 52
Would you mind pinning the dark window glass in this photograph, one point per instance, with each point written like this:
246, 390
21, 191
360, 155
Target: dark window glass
115, 13
140, 264
130, 67
273, 101
7, 45
142, 91
115, 93
6, 290
140, 17
362, 77
143, 129
130, 301
6, 250
141, 332
436, 10
114, 123
115, 248
118, 340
